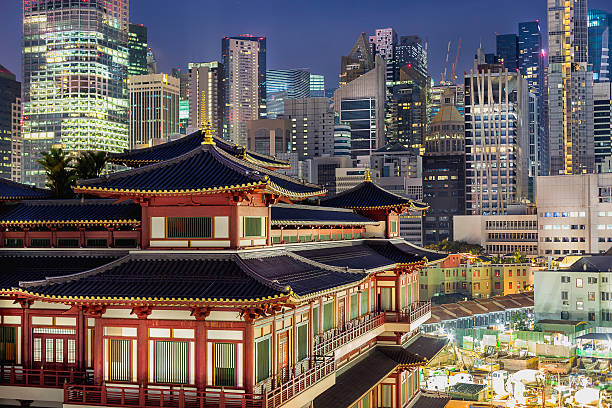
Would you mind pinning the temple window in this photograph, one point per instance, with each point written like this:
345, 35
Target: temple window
302, 342
364, 302
354, 306
385, 298
263, 359
189, 227
7, 345
120, 360
328, 316
225, 364
252, 226
393, 227
171, 362
315, 321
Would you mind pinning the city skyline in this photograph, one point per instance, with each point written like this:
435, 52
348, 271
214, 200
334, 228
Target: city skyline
331, 32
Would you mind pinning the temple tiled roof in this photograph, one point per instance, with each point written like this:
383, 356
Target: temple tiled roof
25, 265
205, 169
70, 212
368, 254
283, 214
401, 251
369, 196
10, 190
426, 347
176, 148
176, 277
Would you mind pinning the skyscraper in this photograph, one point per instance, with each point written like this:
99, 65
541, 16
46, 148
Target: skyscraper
312, 122
410, 51
74, 96
383, 43
570, 89
507, 49
602, 109
317, 85
10, 93
137, 43
359, 61
154, 109
496, 139
183, 77
531, 66
205, 93
244, 84
361, 104
600, 36
282, 84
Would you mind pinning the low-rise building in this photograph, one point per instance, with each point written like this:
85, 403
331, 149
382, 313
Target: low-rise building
474, 277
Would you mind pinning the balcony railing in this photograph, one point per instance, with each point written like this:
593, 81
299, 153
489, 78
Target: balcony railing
42, 377
351, 332
296, 385
415, 311
118, 396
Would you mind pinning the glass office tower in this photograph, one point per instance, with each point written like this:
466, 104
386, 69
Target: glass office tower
507, 49
137, 43
75, 65
600, 33
317, 85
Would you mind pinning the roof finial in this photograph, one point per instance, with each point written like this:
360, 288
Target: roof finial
367, 175
208, 134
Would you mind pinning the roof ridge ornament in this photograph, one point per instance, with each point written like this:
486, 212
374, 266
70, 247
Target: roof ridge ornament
208, 134
367, 175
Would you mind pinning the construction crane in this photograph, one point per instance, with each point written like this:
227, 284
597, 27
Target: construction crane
454, 73
446, 63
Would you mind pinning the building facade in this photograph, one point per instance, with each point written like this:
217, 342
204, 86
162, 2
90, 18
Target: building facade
435, 101
16, 142
10, 95
570, 89
269, 136
359, 61
410, 51
602, 124
206, 95
600, 36
317, 85
137, 44
496, 139
312, 122
244, 84
282, 84
444, 171
507, 49
361, 104
78, 100
154, 108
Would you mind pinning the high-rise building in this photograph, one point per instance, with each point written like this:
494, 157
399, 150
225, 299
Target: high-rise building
359, 61
410, 51
183, 77
342, 139
507, 48
444, 170
312, 121
406, 108
570, 89
317, 85
600, 41
383, 43
282, 84
244, 84
435, 101
151, 62
16, 142
496, 139
137, 43
10, 94
602, 124
74, 96
205, 93
361, 104
531, 65
269, 136
154, 109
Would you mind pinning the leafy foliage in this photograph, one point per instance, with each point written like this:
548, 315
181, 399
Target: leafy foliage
90, 164
60, 175
456, 247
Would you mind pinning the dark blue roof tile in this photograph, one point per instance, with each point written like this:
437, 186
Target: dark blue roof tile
10, 190
368, 195
311, 215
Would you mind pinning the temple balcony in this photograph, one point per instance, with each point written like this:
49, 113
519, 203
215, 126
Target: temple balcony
408, 319
352, 335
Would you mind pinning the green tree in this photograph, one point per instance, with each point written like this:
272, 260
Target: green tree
60, 176
90, 164
519, 257
519, 321
457, 246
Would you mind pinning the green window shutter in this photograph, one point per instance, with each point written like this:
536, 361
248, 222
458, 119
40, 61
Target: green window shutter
411, 288
403, 297
364, 302
7, 345
354, 306
171, 359
276, 240
404, 392
365, 401
328, 316
302, 332
40, 243
263, 360
225, 364
315, 321
252, 226
394, 226
120, 360
188, 227
385, 295
67, 243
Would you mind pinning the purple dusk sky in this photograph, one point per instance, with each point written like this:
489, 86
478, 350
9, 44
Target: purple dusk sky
307, 34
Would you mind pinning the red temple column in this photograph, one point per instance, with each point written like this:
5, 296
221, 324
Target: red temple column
397, 294
26, 350
249, 357
141, 349
98, 351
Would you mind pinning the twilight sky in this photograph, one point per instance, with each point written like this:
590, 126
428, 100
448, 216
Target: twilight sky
309, 34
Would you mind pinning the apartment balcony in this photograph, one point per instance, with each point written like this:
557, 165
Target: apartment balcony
353, 330
410, 318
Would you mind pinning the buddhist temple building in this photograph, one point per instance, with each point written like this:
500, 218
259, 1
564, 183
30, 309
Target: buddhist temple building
199, 277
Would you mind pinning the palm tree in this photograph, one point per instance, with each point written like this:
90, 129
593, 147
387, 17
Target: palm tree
90, 164
60, 176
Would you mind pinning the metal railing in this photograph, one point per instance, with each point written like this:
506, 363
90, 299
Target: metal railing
176, 397
42, 377
350, 332
415, 311
321, 368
